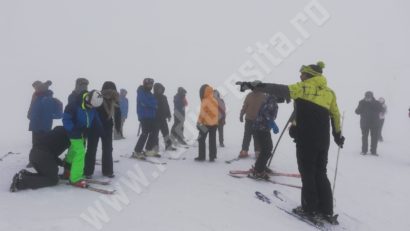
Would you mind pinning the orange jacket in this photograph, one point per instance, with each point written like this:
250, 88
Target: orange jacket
209, 113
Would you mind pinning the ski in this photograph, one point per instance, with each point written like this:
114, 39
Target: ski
316, 224
232, 160
272, 173
145, 160
177, 158
99, 182
99, 162
8, 154
268, 180
99, 190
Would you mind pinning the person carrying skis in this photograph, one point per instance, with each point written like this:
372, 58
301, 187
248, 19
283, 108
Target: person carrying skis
315, 105
369, 110
81, 85
382, 116
222, 117
44, 157
250, 109
44, 108
180, 103
124, 113
264, 122
207, 123
147, 106
78, 118
162, 117
108, 112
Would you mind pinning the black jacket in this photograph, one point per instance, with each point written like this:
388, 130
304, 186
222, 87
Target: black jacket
54, 143
369, 112
163, 111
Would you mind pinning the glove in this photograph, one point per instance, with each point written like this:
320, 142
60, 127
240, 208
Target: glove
201, 128
292, 131
339, 139
274, 127
248, 85
241, 118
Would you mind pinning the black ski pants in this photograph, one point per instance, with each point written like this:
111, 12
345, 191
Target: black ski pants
247, 136
147, 137
203, 133
265, 140
316, 188
47, 171
374, 138
93, 138
161, 125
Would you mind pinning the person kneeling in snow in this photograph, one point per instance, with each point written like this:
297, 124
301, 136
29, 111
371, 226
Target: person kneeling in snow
44, 157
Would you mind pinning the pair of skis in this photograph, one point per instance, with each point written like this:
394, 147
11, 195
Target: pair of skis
145, 159
91, 187
248, 173
283, 200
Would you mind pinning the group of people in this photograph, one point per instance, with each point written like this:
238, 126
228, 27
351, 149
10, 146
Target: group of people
372, 114
94, 115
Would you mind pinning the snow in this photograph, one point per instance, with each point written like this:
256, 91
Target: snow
187, 43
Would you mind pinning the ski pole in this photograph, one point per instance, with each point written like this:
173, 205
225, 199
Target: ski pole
139, 130
280, 137
337, 160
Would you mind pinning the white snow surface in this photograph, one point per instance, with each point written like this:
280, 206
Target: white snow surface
189, 43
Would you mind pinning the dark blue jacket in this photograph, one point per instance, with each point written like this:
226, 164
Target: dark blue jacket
179, 104
77, 119
267, 114
43, 110
146, 104
124, 107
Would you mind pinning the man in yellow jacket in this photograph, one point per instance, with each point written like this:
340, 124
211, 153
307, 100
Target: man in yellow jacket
207, 123
316, 109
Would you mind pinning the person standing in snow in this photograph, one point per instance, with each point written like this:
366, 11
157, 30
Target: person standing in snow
369, 110
124, 113
222, 117
180, 103
81, 85
44, 108
264, 122
382, 116
207, 123
147, 106
78, 118
250, 109
316, 109
45, 159
162, 118
110, 115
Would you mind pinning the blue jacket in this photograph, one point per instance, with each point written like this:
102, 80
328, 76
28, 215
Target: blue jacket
43, 110
179, 104
146, 104
124, 107
267, 115
77, 119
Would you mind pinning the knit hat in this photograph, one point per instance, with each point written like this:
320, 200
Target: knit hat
108, 85
313, 69
41, 87
148, 82
81, 84
368, 94
159, 89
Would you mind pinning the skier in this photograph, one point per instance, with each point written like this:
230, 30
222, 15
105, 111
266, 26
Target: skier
146, 109
222, 117
265, 121
163, 114
180, 103
81, 85
207, 123
250, 109
45, 159
43, 109
124, 113
315, 105
369, 110
382, 116
110, 115
78, 117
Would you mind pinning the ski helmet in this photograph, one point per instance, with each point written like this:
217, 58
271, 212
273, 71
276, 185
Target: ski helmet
94, 98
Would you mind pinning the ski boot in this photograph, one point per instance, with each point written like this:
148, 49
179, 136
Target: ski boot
80, 184
138, 155
14, 187
313, 217
152, 153
259, 175
243, 154
331, 219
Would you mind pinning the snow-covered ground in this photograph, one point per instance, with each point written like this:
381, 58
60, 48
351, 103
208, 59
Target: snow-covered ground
187, 43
